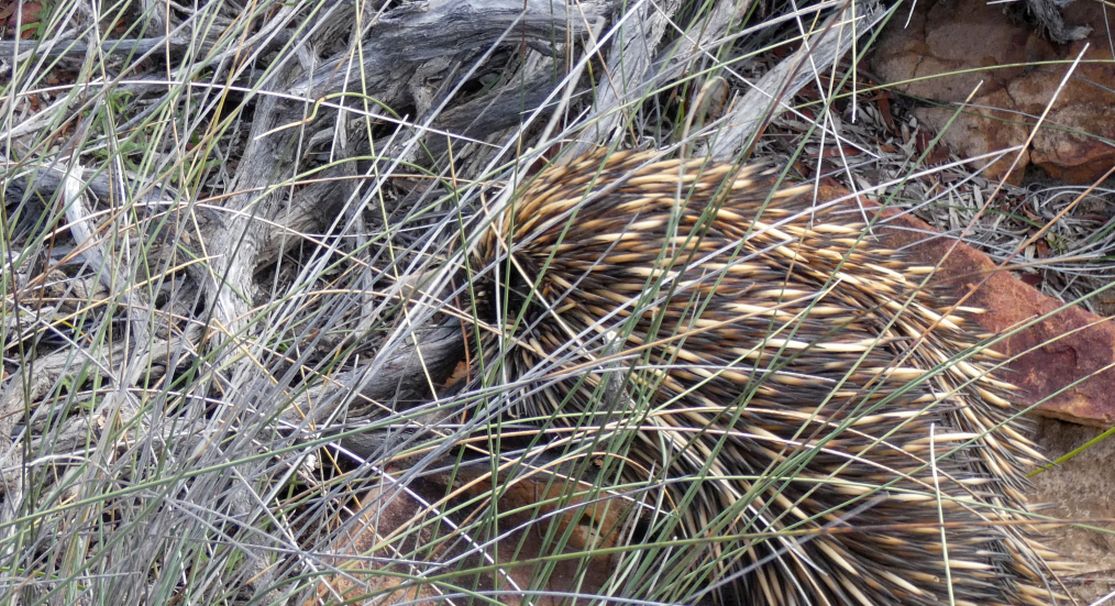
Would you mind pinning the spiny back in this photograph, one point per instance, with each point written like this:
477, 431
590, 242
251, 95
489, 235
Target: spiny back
825, 428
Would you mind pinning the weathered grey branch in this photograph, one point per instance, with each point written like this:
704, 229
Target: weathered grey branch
631, 76
770, 95
629, 60
78, 48
422, 31
312, 207
269, 159
396, 378
402, 39
479, 118
46, 181
1048, 14
22, 389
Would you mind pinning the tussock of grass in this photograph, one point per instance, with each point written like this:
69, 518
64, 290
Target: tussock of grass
233, 233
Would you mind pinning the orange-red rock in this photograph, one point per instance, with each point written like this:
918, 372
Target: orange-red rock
954, 48
1070, 346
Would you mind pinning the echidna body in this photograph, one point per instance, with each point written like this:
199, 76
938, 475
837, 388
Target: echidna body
824, 428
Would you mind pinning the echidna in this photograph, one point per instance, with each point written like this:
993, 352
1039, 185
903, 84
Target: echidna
823, 427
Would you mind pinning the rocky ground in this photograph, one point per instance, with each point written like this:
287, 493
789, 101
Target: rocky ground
1080, 491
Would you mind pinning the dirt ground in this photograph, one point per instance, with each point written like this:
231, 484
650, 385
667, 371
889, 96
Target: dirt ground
1081, 491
